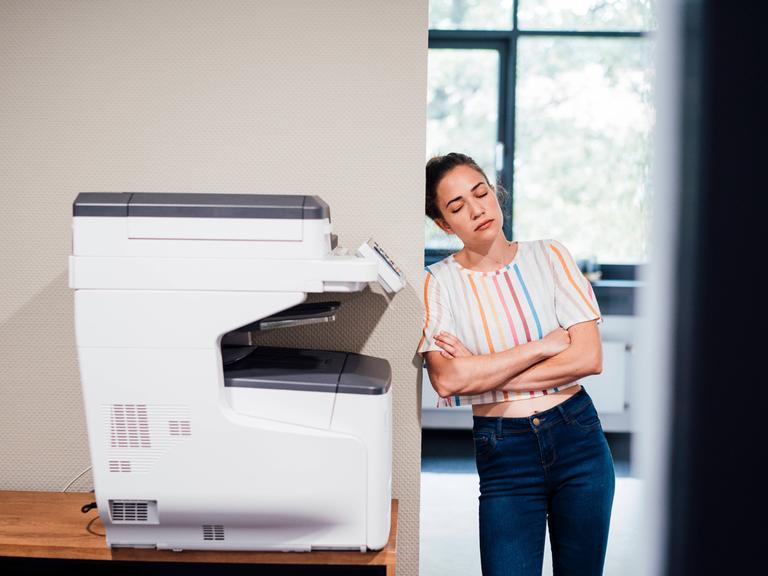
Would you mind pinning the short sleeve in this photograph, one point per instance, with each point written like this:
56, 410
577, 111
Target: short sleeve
437, 315
575, 300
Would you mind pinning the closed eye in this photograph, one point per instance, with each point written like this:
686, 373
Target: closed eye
462, 206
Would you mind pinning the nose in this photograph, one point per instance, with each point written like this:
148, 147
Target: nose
476, 209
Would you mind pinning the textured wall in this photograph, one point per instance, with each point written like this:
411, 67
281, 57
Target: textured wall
284, 96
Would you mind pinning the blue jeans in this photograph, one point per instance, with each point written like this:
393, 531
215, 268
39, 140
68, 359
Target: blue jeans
552, 467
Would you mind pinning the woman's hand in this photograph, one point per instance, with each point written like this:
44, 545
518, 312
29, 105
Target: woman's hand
451, 346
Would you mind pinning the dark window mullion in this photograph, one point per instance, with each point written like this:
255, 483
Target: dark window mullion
504, 35
584, 33
515, 6
468, 43
507, 128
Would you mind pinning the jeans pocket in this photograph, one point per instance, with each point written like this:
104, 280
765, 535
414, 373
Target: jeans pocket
587, 419
485, 442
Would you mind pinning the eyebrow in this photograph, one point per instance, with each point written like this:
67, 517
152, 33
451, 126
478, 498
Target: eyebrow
460, 197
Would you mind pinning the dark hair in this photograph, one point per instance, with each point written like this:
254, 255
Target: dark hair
438, 167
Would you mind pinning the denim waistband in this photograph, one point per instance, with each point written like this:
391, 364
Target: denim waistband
564, 411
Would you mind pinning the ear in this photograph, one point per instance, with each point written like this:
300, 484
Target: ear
443, 225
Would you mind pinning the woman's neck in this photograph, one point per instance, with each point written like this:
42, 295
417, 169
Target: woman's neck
489, 257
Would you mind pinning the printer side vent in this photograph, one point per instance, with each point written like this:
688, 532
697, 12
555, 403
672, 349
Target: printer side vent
179, 428
213, 532
119, 465
129, 426
137, 435
133, 511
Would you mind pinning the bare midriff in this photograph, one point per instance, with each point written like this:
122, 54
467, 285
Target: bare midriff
524, 408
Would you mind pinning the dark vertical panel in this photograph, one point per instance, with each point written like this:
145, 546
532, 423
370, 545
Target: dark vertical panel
717, 447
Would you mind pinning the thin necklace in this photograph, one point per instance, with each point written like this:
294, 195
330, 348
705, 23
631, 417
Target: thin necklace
509, 244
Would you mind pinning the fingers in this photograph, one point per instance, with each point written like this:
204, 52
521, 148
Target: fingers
448, 337
448, 349
446, 340
444, 344
451, 344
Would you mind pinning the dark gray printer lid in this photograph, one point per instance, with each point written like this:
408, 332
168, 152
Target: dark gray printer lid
281, 368
200, 205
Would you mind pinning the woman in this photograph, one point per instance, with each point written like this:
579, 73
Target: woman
509, 328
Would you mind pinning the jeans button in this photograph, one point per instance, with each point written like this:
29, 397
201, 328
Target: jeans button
536, 421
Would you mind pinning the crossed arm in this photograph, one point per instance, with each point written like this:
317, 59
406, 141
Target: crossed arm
522, 368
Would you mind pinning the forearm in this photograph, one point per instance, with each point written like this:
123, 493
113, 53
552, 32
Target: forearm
568, 366
480, 373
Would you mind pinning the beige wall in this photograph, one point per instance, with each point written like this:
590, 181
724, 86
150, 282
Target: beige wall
271, 96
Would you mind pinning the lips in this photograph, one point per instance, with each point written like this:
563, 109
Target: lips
483, 224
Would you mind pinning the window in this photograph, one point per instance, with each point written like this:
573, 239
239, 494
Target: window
554, 99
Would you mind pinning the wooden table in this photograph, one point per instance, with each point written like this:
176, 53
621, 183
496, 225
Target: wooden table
50, 525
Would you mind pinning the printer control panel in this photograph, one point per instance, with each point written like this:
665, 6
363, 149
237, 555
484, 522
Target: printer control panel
390, 275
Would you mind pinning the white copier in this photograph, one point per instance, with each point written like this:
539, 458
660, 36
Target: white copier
199, 438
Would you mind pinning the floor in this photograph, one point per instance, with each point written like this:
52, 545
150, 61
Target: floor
449, 492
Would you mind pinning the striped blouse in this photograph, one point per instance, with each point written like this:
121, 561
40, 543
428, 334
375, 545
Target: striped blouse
540, 289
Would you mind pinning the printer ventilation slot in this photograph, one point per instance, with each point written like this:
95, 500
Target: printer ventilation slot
119, 465
137, 436
179, 428
129, 426
133, 511
213, 532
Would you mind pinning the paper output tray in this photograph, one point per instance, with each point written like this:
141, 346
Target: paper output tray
303, 369
305, 313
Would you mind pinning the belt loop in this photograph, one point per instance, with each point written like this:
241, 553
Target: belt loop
563, 412
499, 423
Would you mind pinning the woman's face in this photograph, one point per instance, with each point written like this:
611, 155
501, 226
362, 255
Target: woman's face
466, 202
